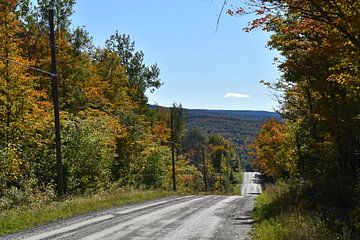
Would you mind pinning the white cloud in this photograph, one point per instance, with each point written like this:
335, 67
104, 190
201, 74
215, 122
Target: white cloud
236, 95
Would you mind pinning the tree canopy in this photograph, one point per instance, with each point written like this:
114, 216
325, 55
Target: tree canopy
320, 93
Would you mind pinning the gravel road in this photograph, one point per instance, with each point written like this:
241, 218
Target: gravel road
190, 217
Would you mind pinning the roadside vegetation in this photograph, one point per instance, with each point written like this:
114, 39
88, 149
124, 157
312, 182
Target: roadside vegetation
23, 217
313, 155
111, 138
281, 213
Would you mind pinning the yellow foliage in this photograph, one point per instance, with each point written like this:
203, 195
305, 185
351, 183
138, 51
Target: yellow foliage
274, 154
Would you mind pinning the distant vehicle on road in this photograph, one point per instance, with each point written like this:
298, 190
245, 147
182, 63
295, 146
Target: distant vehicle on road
258, 178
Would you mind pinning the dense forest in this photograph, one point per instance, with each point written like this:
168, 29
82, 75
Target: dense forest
109, 135
240, 127
110, 138
314, 155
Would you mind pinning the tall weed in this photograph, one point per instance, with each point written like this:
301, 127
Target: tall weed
281, 215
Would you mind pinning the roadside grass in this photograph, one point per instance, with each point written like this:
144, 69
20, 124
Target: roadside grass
233, 184
292, 226
279, 218
237, 177
237, 182
236, 189
25, 217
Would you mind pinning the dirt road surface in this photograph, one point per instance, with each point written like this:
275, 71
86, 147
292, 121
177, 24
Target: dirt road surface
190, 217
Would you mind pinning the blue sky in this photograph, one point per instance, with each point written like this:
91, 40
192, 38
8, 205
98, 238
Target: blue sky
200, 68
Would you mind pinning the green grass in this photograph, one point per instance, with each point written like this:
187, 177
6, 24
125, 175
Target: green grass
236, 189
238, 177
233, 186
26, 217
292, 226
279, 218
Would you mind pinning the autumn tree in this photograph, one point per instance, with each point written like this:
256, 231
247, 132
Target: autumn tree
141, 77
319, 44
23, 114
73, 47
319, 41
222, 160
109, 133
274, 151
192, 145
178, 122
107, 88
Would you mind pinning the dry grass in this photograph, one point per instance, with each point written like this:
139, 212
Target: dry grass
26, 217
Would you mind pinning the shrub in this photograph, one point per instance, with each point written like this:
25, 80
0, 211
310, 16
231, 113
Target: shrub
149, 168
87, 157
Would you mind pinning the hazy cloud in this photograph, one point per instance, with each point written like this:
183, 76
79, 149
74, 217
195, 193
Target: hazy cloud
236, 95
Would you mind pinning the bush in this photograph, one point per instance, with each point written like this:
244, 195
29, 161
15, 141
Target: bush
188, 177
12, 167
87, 157
149, 168
30, 193
155, 167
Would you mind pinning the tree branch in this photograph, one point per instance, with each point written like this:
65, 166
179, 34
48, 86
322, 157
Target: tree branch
221, 11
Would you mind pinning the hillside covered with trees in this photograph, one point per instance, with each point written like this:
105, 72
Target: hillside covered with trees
240, 127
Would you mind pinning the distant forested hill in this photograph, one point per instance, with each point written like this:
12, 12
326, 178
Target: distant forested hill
238, 126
